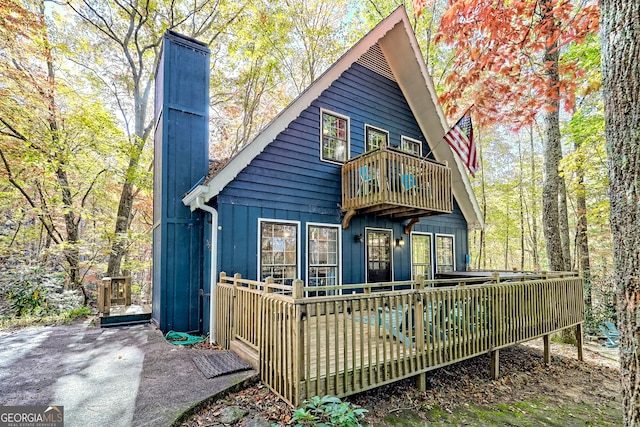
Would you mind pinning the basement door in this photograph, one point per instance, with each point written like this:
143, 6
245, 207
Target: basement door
378, 256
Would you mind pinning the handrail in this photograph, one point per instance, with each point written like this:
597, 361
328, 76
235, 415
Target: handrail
391, 182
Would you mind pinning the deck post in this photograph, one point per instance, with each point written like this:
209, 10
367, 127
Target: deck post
127, 290
223, 327
547, 349
495, 364
297, 289
104, 296
298, 341
236, 310
421, 381
579, 342
268, 281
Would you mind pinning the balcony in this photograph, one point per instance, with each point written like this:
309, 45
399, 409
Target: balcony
389, 182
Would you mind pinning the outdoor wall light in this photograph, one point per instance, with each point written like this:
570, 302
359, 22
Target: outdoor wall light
357, 238
399, 242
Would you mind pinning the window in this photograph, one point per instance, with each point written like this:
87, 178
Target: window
444, 254
411, 146
375, 138
421, 256
324, 257
279, 251
335, 138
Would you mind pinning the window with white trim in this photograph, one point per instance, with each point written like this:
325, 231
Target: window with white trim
279, 251
444, 254
324, 257
421, 264
335, 137
411, 146
375, 138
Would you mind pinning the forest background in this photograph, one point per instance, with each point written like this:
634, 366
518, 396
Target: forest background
76, 111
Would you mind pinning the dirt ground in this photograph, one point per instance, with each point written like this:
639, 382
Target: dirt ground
528, 393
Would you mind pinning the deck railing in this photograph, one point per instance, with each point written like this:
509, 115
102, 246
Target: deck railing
344, 344
394, 183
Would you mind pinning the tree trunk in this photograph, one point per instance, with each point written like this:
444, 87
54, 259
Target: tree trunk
552, 151
534, 206
118, 246
142, 128
563, 222
482, 258
582, 240
620, 32
506, 239
521, 203
71, 251
550, 208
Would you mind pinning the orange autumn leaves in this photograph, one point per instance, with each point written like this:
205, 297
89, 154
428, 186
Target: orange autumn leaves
499, 49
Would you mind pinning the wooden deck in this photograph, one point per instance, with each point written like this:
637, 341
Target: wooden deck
344, 344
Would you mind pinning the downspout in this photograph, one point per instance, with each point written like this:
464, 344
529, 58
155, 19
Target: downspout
200, 204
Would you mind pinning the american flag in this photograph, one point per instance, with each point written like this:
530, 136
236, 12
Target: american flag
460, 138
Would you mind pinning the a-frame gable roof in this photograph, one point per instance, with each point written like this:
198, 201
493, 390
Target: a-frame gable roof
401, 61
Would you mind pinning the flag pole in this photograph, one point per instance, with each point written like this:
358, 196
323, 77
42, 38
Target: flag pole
451, 127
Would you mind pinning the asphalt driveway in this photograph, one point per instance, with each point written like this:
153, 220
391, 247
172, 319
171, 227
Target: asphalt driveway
126, 376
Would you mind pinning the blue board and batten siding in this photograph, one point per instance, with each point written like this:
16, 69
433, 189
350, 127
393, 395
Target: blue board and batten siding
180, 160
289, 182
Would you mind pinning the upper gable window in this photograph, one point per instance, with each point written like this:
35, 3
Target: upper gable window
375, 138
335, 137
411, 146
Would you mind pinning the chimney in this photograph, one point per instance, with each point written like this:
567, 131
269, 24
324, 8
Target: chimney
181, 153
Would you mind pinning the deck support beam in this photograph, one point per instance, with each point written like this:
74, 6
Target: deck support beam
579, 342
547, 349
409, 226
347, 219
495, 364
421, 381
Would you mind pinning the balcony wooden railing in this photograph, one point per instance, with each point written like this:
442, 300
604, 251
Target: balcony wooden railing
388, 182
343, 344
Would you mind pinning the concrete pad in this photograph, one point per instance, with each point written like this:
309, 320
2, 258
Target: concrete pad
127, 376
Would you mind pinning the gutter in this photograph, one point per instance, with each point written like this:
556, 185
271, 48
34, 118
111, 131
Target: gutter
198, 203
196, 192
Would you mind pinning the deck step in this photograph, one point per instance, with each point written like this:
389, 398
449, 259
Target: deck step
125, 315
246, 353
135, 319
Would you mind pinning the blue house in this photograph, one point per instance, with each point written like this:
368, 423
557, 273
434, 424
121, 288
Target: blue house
351, 183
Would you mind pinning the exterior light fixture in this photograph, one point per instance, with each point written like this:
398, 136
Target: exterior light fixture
399, 242
357, 238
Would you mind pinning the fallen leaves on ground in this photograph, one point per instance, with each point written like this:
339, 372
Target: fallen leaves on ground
524, 377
